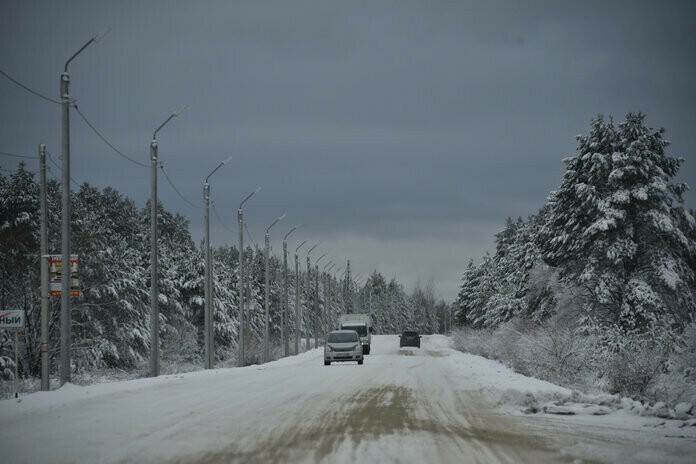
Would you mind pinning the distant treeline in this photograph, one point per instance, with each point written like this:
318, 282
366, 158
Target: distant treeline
110, 319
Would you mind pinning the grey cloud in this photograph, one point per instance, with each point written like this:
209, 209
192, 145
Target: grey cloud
390, 121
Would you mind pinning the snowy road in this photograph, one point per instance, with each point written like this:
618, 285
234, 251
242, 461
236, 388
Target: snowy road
410, 405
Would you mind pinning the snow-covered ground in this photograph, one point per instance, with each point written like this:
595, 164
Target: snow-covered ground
432, 404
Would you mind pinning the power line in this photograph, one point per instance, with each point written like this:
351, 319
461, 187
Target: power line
18, 156
50, 158
219, 218
30, 157
28, 89
249, 236
177, 190
91, 126
48, 168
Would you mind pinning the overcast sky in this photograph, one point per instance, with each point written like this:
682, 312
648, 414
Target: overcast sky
400, 134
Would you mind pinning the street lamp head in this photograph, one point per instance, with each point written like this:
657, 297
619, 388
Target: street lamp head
218, 167
291, 231
300, 246
248, 196
312, 249
96, 38
278, 219
101, 35
319, 258
174, 114
179, 111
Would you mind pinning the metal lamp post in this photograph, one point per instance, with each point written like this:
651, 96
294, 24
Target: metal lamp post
65, 317
240, 224
327, 295
284, 315
266, 350
154, 289
343, 291
335, 278
298, 306
316, 301
208, 318
309, 291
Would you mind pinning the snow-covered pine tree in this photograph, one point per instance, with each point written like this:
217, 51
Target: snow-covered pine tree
612, 226
463, 304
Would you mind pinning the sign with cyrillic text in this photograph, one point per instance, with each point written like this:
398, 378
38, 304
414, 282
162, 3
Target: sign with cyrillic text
11, 319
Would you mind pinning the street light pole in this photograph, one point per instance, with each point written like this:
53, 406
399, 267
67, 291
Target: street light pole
240, 224
208, 318
154, 288
316, 301
266, 350
309, 293
335, 278
65, 316
343, 291
284, 315
298, 307
45, 374
327, 294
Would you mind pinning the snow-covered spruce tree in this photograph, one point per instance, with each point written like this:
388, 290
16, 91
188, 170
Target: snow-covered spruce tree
226, 268
463, 304
615, 227
19, 249
480, 289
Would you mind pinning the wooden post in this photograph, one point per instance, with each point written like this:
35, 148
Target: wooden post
16, 363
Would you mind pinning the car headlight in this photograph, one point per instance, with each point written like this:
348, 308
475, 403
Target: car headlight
327, 348
355, 348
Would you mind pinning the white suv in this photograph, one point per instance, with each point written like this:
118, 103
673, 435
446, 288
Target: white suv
343, 345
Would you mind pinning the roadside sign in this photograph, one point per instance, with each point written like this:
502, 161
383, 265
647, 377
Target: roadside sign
12, 320
55, 263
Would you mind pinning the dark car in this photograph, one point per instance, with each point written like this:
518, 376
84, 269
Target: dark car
409, 338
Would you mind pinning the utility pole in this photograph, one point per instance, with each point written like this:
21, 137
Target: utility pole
65, 316
309, 293
210, 328
240, 224
326, 305
284, 309
316, 305
298, 306
310, 296
327, 295
316, 301
208, 316
266, 349
286, 303
45, 375
154, 288
206, 290
348, 291
334, 278
154, 284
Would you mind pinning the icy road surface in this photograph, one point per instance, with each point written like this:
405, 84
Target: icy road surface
425, 405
